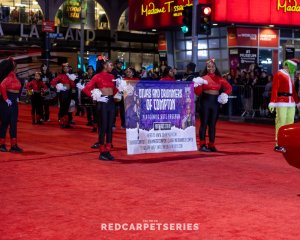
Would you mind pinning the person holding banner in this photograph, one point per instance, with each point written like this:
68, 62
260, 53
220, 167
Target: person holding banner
102, 89
168, 74
210, 101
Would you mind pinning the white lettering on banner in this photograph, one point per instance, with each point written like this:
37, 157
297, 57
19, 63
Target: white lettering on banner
1, 31
77, 34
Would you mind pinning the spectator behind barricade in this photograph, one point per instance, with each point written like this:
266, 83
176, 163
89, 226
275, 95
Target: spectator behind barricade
247, 96
168, 74
267, 97
117, 70
263, 80
190, 73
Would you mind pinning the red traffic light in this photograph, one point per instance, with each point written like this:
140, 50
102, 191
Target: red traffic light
206, 11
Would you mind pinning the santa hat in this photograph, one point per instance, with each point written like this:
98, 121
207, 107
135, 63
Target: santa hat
291, 64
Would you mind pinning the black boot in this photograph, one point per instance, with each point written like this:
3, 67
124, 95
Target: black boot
3, 148
15, 148
204, 148
104, 156
110, 157
95, 145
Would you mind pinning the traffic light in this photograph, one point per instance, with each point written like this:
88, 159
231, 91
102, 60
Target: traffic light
204, 19
187, 20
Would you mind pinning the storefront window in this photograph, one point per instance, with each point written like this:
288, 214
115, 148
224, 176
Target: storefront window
123, 22
94, 16
19, 11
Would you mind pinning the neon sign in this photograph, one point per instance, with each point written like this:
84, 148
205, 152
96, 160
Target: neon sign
287, 6
151, 9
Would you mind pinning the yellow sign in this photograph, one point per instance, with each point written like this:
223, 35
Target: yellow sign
152, 9
288, 6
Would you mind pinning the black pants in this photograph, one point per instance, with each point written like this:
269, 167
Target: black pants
9, 116
64, 103
122, 112
36, 104
106, 118
46, 109
209, 112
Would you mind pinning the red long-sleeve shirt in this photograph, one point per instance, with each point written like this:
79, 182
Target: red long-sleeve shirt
168, 78
36, 85
100, 80
214, 83
10, 84
64, 79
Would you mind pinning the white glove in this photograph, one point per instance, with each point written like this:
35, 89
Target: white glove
72, 76
118, 96
271, 107
60, 87
80, 86
198, 81
223, 98
103, 99
9, 103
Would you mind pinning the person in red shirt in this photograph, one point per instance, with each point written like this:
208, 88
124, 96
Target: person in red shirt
64, 86
210, 102
10, 88
130, 74
168, 74
103, 81
35, 89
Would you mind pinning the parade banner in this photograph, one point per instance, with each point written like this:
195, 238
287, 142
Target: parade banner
160, 117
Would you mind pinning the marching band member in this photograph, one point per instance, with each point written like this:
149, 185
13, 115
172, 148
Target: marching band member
9, 88
64, 86
46, 77
103, 89
210, 102
35, 89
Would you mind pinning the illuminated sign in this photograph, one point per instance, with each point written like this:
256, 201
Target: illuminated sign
275, 12
149, 14
287, 6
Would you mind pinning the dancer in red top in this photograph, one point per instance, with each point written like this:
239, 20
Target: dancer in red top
10, 88
210, 99
64, 86
35, 89
103, 81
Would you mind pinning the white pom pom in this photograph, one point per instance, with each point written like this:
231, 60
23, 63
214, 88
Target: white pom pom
60, 87
198, 81
223, 98
122, 86
80, 86
96, 94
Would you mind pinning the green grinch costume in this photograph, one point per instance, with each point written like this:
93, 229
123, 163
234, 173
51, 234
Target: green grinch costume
284, 97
